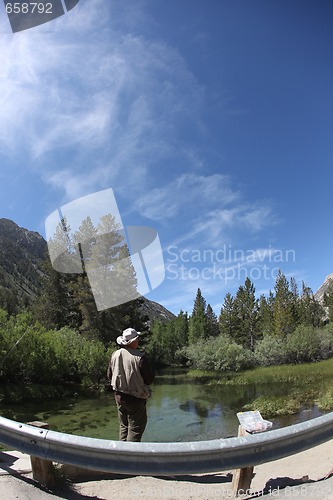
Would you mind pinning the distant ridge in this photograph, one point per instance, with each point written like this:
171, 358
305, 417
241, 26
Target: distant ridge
22, 257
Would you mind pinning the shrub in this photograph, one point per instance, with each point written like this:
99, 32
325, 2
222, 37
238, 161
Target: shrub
303, 345
31, 354
77, 358
326, 341
26, 356
218, 354
271, 351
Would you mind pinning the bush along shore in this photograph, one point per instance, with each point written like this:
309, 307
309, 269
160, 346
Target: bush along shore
37, 363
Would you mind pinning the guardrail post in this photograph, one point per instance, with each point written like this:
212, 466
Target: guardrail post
241, 480
42, 470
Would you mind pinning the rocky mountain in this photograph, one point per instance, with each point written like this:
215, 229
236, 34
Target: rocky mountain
22, 254
156, 312
22, 257
319, 295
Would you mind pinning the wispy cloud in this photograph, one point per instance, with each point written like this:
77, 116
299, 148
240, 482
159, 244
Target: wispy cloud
207, 209
90, 96
41, 86
224, 224
186, 195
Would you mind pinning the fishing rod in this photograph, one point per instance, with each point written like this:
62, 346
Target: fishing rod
12, 348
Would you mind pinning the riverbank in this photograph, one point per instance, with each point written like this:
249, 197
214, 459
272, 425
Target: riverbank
305, 385
300, 475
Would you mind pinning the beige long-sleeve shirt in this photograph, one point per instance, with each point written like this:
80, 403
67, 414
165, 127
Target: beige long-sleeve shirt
130, 373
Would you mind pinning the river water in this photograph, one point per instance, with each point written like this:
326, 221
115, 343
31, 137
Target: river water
179, 410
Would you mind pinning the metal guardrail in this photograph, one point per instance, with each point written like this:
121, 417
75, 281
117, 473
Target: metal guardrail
166, 458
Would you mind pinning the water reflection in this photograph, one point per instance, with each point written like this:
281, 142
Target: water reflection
179, 410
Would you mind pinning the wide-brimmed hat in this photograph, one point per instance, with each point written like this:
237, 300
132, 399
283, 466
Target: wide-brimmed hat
128, 336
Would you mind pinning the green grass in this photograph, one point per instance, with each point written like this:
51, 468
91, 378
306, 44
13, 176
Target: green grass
299, 374
275, 406
310, 384
325, 399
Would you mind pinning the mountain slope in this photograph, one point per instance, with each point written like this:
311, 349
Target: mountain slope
22, 254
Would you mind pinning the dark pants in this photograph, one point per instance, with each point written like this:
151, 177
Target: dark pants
132, 416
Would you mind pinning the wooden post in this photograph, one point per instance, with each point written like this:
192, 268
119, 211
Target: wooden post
241, 481
42, 470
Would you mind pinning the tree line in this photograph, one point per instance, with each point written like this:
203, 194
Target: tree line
287, 326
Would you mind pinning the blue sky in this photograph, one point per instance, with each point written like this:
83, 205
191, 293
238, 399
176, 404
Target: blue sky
211, 121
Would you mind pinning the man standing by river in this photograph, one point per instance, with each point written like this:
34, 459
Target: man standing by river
130, 374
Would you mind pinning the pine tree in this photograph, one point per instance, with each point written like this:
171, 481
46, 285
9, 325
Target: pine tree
246, 307
55, 307
166, 339
311, 311
62, 250
110, 270
155, 347
266, 315
212, 322
283, 309
181, 329
113, 321
8, 300
84, 240
228, 317
198, 319
296, 312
